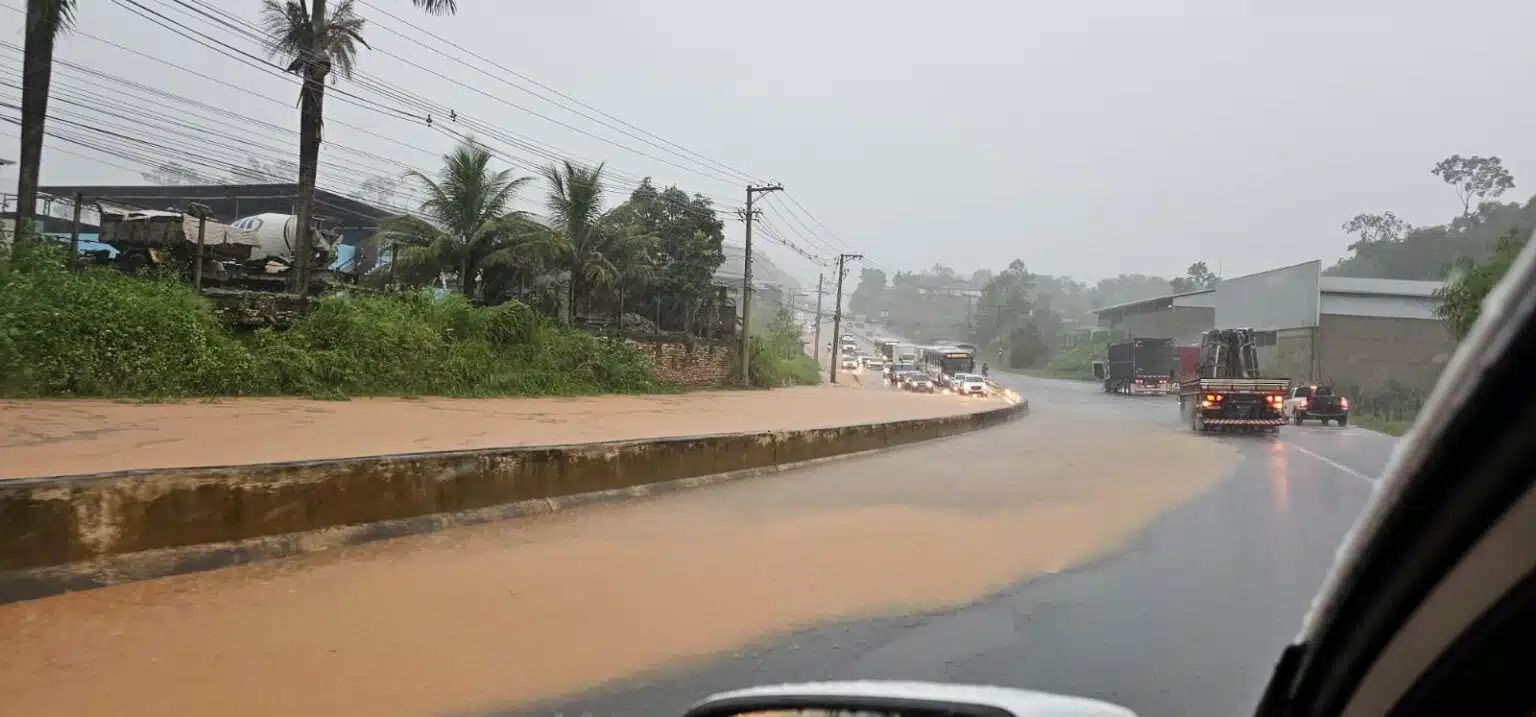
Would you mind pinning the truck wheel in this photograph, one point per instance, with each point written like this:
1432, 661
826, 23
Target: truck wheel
1296, 418
1343, 421
1324, 421
1197, 422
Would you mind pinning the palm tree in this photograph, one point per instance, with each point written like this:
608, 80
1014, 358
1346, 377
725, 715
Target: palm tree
598, 248
471, 226
316, 42
45, 19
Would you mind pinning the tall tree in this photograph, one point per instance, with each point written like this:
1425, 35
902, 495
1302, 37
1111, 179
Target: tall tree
472, 225
598, 248
1197, 277
315, 42
45, 19
1384, 227
867, 297
1004, 302
687, 242
1474, 177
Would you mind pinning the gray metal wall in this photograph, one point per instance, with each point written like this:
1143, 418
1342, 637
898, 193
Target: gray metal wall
1284, 298
1183, 324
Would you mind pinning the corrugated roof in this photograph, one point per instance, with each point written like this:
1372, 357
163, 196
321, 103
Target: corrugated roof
1152, 300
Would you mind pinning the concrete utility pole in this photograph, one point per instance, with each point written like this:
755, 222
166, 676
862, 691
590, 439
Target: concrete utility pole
746, 283
819, 292
837, 313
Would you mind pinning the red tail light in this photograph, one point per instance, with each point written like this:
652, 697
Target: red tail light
1343, 403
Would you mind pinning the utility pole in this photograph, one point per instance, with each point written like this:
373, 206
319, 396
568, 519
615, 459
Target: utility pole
746, 283
837, 313
200, 211
819, 292
74, 230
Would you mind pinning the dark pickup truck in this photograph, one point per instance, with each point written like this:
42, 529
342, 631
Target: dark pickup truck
1318, 402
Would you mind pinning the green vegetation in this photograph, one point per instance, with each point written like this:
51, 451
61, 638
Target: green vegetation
1461, 301
778, 358
471, 227
1074, 363
1390, 408
1388, 247
96, 332
1389, 426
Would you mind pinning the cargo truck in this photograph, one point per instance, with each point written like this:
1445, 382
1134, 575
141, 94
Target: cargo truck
1229, 394
1137, 367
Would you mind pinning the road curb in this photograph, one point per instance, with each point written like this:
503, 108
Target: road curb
66, 533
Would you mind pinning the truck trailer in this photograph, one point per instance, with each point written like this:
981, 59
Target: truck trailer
1228, 393
1137, 367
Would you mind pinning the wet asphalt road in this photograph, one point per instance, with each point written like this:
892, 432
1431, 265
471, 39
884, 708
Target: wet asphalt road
1185, 620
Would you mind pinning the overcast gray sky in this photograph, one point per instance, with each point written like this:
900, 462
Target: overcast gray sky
1087, 139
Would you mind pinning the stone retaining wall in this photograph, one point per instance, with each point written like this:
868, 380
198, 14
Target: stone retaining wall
248, 512
702, 364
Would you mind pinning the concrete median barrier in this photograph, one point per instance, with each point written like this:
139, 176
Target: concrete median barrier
73, 532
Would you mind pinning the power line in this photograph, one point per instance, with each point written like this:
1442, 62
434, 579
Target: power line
417, 103
230, 21
562, 95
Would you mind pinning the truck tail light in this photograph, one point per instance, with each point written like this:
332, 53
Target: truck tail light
1302, 404
1343, 403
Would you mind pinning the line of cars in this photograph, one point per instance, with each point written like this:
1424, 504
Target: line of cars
908, 376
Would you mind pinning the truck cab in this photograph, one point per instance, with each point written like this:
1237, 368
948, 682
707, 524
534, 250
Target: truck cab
1318, 402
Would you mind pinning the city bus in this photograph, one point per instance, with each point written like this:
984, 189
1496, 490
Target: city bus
942, 362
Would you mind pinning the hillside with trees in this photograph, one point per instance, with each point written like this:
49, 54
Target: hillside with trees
1386, 247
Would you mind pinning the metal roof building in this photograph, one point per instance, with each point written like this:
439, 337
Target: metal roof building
1359, 334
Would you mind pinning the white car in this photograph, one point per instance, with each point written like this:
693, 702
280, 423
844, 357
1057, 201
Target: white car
849, 363
873, 362
968, 384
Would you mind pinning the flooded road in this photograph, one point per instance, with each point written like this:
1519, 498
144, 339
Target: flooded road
1186, 618
523, 613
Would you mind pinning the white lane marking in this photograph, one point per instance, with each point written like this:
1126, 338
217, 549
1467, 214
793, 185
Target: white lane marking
1331, 462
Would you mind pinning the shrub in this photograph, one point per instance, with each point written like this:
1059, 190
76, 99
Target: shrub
97, 332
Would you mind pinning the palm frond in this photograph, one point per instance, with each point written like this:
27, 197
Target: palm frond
437, 7
291, 34
53, 16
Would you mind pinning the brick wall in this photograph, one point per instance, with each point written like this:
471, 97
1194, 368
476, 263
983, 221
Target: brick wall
1365, 352
701, 364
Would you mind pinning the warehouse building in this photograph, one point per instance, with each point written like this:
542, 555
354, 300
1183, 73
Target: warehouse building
1181, 317
1358, 334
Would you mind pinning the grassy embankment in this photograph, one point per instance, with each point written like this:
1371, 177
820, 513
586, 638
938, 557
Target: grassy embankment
1075, 364
1390, 426
96, 332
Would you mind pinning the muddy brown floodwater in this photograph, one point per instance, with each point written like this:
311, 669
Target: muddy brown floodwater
504, 614
54, 437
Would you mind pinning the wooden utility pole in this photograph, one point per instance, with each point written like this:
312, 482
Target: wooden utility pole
819, 292
74, 230
201, 212
746, 284
837, 312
